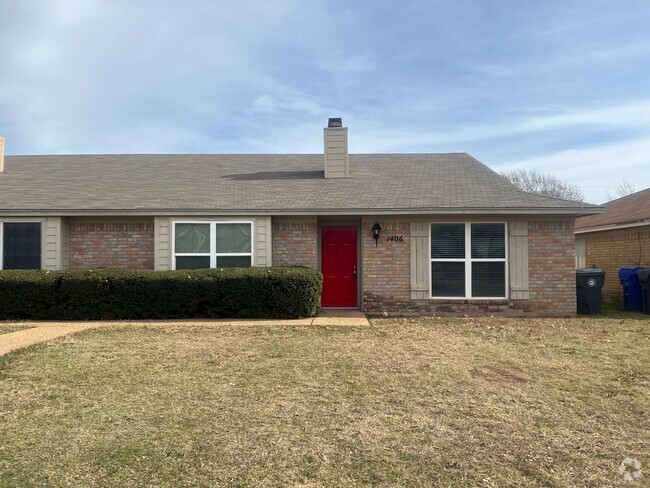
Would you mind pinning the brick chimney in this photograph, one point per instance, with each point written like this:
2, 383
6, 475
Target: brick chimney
337, 161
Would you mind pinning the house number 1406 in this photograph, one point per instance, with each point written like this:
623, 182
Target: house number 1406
395, 238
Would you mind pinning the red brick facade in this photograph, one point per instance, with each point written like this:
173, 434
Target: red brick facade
386, 267
551, 268
551, 249
295, 241
613, 250
113, 243
387, 278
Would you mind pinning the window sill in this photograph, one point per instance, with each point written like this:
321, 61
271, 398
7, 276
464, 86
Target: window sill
479, 301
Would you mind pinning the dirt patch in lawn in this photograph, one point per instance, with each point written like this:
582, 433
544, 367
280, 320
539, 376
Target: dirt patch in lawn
492, 373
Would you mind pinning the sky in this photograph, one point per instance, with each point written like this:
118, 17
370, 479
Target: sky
560, 87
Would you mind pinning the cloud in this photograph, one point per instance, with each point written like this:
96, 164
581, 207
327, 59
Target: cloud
91, 76
288, 102
554, 85
373, 137
596, 170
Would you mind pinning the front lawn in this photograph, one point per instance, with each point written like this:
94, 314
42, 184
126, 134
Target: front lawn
616, 311
404, 402
8, 327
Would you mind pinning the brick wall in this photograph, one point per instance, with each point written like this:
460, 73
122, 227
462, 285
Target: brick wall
295, 241
386, 274
386, 266
615, 249
551, 264
127, 243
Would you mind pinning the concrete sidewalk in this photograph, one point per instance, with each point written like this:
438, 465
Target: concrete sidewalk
46, 331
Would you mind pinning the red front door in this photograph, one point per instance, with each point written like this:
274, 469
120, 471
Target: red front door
339, 266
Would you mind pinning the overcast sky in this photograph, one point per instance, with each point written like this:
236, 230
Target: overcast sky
559, 86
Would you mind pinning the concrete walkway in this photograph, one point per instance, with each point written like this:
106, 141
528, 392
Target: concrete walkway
46, 331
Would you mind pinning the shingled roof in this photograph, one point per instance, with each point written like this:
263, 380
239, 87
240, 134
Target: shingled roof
628, 211
269, 183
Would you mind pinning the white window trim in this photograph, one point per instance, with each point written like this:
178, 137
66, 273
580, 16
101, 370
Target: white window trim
213, 242
468, 263
21, 221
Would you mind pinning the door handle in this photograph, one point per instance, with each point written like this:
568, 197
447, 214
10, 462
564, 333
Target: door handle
354, 273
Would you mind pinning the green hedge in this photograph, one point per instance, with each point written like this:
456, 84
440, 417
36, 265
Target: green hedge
140, 294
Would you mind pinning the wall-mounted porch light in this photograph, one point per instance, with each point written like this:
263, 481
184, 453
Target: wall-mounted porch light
376, 230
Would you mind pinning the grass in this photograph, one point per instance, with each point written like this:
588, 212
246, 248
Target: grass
7, 328
616, 311
405, 402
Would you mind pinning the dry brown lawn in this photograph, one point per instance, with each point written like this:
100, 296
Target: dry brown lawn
404, 402
8, 327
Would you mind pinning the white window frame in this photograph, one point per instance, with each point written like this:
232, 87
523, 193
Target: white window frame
21, 221
213, 241
468, 260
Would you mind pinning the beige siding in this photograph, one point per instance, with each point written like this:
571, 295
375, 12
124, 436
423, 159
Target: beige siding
55, 244
51, 257
262, 251
337, 163
420, 266
162, 243
263, 241
518, 249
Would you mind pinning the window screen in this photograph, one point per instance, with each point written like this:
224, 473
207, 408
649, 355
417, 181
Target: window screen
193, 238
233, 238
468, 260
447, 241
488, 241
213, 245
488, 279
21, 245
448, 279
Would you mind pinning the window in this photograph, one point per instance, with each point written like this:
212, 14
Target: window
20, 245
468, 260
213, 245
581, 253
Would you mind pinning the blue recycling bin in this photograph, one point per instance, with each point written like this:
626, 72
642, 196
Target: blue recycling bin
632, 297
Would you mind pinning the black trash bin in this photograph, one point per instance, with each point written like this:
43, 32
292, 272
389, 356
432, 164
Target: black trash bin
644, 281
589, 285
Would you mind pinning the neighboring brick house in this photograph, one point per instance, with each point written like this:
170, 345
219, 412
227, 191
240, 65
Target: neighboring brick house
397, 233
617, 238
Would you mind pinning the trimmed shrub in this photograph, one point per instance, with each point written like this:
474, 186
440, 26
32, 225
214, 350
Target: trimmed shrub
27, 294
114, 294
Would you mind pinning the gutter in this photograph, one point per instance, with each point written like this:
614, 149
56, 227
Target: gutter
307, 211
641, 223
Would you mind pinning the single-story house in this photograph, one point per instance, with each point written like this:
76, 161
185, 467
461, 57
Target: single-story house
397, 233
618, 237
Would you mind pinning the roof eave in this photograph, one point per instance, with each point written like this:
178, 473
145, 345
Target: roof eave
606, 227
568, 211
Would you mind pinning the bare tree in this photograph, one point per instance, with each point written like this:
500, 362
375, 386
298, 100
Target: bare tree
623, 189
543, 184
